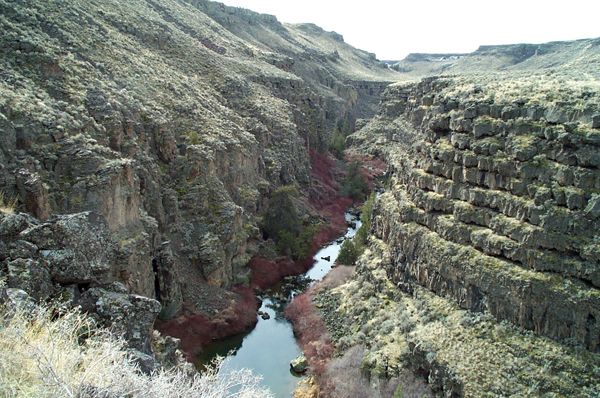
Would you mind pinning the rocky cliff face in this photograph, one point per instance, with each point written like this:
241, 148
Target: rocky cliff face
488, 227
495, 205
157, 132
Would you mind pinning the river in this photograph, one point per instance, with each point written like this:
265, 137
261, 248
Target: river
268, 348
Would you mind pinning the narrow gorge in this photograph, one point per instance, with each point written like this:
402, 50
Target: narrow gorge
163, 164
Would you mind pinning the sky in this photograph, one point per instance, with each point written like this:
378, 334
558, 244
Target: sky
393, 29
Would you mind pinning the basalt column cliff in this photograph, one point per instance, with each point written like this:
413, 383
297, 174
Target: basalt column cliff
482, 271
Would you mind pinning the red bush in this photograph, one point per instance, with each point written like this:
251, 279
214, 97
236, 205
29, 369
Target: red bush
197, 330
309, 328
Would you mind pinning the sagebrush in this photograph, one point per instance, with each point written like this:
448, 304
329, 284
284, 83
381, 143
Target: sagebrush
46, 354
7, 205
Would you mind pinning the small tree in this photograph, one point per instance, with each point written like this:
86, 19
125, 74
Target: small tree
354, 185
352, 249
366, 213
348, 253
287, 243
338, 144
282, 223
282, 216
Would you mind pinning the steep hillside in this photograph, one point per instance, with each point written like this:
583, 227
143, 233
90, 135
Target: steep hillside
567, 58
144, 139
482, 271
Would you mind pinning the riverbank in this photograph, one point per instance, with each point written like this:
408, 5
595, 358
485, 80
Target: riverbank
339, 367
270, 346
195, 330
310, 329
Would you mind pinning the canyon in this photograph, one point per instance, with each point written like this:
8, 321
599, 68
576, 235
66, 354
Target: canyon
142, 144
144, 139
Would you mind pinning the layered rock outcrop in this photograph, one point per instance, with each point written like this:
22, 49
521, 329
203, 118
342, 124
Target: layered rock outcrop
486, 232
495, 202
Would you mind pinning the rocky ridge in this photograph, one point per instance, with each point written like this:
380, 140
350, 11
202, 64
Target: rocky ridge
562, 57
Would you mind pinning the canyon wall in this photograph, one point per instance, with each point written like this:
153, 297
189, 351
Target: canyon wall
564, 57
495, 205
484, 244
160, 128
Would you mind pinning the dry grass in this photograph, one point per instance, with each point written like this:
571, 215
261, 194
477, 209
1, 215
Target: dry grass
345, 378
483, 356
7, 206
307, 388
336, 277
42, 355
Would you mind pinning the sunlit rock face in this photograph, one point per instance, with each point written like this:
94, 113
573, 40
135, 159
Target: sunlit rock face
484, 243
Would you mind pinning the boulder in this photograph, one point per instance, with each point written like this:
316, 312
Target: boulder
299, 364
12, 224
17, 300
129, 316
596, 122
593, 207
76, 247
166, 350
147, 363
34, 194
31, 276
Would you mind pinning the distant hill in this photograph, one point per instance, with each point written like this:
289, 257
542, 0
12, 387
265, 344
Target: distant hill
567, 57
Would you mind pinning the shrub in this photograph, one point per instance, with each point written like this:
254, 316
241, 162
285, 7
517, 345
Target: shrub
344, 376
354, 185
305, 241
192, 137
338, 144
46, 355
360, 239
7, 206
352, 249
348, 253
